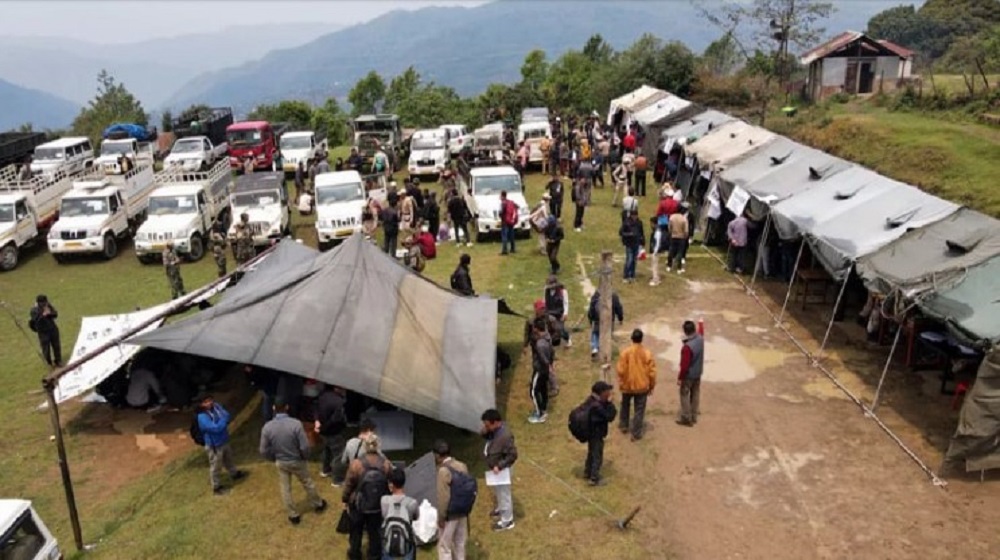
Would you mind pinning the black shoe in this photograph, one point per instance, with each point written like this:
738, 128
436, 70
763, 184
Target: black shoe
684, 423
295, 520
239, 474
220, 490
321, 507
597, 482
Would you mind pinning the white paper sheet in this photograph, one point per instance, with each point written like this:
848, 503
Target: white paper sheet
499, 479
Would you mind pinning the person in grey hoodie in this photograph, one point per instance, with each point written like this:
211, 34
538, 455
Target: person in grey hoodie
283, 440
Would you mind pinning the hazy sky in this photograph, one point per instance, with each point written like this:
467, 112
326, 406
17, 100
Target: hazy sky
130, 20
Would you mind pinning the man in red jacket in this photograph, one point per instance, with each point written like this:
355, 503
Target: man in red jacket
689, 377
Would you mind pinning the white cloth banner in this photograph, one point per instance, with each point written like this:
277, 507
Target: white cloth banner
94, 332
738, 201
714, 203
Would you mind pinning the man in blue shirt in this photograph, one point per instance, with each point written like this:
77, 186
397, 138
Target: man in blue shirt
213, 421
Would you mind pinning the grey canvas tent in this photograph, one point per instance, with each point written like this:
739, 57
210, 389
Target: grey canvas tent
696, 126
285, 255
932, 257
977, 437
356, 318
971, 309
728, 142
657, 117
632, 102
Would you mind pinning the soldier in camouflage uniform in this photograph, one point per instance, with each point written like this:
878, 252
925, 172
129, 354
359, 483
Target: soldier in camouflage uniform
171, 264
219, 244
244, 240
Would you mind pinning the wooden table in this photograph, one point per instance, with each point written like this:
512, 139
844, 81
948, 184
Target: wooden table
810, 277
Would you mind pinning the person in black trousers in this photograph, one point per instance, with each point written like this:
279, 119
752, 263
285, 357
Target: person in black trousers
555, 190
43, 321
432, 212
602, 413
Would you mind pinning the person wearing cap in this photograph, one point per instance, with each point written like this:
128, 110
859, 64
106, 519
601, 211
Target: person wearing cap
689, 376
556, 299
679, 234
636, 380
366, 484
602, 412
461, 280
542, 371
283, 441
42, 320
171, 265
244, 240
541, 317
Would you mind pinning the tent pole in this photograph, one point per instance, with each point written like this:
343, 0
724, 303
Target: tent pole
833, 316
795, 271
74, 516
888, 361
760, 245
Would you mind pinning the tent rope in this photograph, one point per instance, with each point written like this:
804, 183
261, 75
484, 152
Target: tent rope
868, 412
574, 491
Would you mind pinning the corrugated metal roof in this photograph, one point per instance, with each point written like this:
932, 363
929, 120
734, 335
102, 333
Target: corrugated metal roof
903, 52
830, 46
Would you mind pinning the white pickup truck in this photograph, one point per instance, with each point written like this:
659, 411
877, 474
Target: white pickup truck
98, 211
23, 534
532, 133
486, 183
340, 197
264, 198
27, 209
112, 151
195, 153
300, 147
182, 210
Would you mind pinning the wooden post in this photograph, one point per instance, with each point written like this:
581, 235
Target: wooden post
604, 308
74, 517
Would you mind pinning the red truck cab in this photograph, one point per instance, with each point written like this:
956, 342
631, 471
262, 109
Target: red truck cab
255, 139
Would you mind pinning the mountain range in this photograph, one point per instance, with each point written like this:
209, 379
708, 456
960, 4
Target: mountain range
45, 110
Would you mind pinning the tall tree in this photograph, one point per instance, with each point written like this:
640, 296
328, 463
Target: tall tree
329, 120
112, 104
598, 50
533, 72
167, 122
367, 95
298, 114
721, 57
401, 89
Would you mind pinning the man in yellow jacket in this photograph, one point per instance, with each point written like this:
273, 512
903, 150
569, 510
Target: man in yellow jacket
636, 381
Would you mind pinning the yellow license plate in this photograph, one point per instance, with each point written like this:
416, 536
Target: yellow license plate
157, 247
343, 232
74, 244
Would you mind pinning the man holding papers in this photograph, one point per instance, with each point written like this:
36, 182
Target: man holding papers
500, 453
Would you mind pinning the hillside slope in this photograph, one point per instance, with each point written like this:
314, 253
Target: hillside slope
43, 110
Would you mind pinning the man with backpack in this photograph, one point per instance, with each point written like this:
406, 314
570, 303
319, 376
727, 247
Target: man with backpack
589, 423
461, 280
211, 429
636, 380
283, 442
508, 221
501, 453
367, 482
594, 316
456, 491
399, 511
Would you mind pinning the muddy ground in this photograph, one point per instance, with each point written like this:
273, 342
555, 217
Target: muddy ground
781, 463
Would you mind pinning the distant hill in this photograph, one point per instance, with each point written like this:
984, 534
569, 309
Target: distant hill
465, 48
43, 110
151, 69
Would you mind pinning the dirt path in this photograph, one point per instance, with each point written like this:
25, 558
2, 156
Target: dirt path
780, 466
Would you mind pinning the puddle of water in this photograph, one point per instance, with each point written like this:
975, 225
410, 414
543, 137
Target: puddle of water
733, 317
725, 361
150, 443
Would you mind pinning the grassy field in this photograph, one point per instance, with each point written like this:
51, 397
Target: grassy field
955, 159
954, 84
169, 512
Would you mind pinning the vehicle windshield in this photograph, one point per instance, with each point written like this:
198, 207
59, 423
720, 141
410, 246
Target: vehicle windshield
495, 184
167, 205
115, 148
6, 213
50, 154
488, 139
373, 125
331, 194
427, 143
256, 198
243, 137
296, 143
186, 146
531, 133
72, 207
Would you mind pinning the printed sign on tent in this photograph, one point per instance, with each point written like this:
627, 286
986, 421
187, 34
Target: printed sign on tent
714, 202
738, 201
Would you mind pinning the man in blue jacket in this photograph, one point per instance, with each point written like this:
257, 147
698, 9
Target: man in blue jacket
213, 421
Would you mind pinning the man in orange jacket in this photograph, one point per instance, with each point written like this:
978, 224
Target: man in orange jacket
636, 381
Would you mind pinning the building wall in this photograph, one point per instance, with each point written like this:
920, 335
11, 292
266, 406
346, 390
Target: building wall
889, 68
833, 71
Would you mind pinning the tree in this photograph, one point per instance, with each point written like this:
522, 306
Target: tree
166, 122
330, 120
298, 114
569, 83
401, 89
533, 72
649, 61
721, 57
905, 26
367, 95
112, 104
597, 50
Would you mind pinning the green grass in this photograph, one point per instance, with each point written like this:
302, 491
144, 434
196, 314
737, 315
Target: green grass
955, 159
954, 84
169, 513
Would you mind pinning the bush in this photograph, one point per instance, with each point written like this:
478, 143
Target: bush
840, 97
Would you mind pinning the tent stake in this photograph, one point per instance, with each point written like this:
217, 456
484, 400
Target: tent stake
795, 271
833, 317
895, 341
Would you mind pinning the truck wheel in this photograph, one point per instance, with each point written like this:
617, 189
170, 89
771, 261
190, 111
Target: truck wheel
197, 248
110, 246
60, 259
204, 166
146, 259
8, 257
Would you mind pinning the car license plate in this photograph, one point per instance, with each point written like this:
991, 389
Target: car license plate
157, 247
343, 232
73, 244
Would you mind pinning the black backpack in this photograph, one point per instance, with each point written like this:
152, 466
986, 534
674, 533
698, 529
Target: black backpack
195, 430
463, 494
593, 314
579, 421
398, 540
374, 485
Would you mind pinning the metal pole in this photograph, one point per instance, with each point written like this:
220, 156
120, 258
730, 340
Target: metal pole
892, 351
795, 270
760, 245
74, 517
607, 295
833, 316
